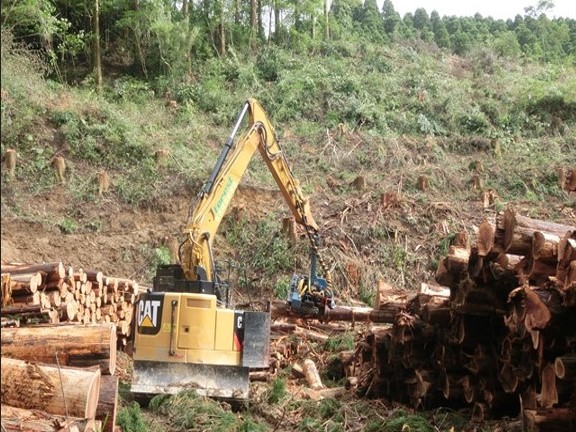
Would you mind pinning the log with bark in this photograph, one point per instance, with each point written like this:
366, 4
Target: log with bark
54, 270
58, 390
550, 419
20, 419
72, 296
518, 231
6, 290
565, 367
312, 376
508, 330
107, 408
548, 396
346, 313
68, 344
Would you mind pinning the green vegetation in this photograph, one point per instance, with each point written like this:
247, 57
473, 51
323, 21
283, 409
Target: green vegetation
423, 95
402, 421
130, 419
278, 391
342, 342
188, 411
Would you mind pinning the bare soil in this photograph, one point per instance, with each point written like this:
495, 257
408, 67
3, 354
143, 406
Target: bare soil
116, 247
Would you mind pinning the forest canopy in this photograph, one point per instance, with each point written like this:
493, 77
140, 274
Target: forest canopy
153, 38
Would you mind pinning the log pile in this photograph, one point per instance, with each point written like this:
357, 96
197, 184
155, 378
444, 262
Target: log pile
500, 338
59, 377
61, 329
52, 293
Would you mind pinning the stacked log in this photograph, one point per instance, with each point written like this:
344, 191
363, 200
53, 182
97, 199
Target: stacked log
55, 390
75, 345
567, 179
499, 339
51, 293
59, 375
61, 329
19, 419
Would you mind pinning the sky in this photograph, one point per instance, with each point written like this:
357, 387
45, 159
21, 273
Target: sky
498, 9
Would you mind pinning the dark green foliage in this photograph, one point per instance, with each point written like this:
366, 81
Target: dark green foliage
402, 421
474, 122
269, 64
130, 418
343, 342
188, 411
391, 97
277, 392
156, 40
370, 22
269, 252
330, 409
553, 106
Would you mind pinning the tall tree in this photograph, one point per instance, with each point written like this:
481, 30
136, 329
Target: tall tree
506, 44
390, 17
452, 24
343, 13
371, 22
408, 30
421, 21
541, 7
254, 32
97, 52
441, 36
461, 43
326, 21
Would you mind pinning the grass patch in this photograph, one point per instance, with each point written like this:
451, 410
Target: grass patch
278, 391
340, 342
130, 419
188, 411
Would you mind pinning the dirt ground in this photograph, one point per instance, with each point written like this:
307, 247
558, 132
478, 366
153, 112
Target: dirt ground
117, 247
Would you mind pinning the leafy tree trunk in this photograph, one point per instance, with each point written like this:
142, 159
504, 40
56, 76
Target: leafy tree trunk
222, 31
326, 21
221, 27
260, 21
297, 17
277, 23
97, 53
270, 17
313, 32
237, 13
186, 14
253, 22
135, 27
214, 15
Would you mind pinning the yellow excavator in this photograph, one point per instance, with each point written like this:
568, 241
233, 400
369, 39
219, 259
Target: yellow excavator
187, 335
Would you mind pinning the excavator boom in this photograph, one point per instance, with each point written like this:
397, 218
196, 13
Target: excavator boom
217, 192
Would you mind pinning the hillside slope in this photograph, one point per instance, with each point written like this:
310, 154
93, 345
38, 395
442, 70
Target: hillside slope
365, 183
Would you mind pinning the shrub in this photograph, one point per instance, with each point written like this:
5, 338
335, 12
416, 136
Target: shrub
130, 419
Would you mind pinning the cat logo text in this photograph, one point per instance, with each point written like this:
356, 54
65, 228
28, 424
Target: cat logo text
148, 313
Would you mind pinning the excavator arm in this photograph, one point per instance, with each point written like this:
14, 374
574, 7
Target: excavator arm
196, 255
